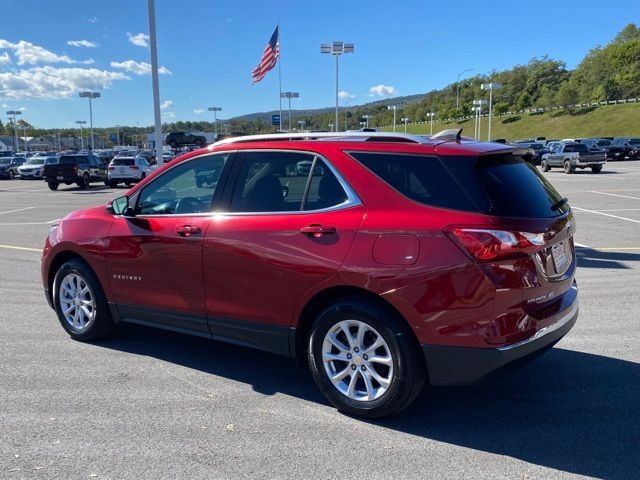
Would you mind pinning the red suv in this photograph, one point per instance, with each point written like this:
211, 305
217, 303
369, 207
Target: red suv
393, 260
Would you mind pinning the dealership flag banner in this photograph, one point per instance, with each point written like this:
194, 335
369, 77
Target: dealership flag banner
269, 57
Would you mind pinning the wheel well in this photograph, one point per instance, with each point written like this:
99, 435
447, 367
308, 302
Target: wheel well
58, 260
328, 296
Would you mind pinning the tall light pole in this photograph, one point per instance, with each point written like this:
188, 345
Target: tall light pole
346, 103
478, 104
431, 115
117, 134
24, 133
491, 87
155, 81
289, 96
393, 107
81, 122
90, 95
337, 49
405, 120
215, 119
366, 119
301, 124
458, 85
13, 113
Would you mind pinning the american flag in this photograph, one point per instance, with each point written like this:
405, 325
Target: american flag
269, 57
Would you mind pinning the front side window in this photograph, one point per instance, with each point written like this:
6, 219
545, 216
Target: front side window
285, 182
185, 189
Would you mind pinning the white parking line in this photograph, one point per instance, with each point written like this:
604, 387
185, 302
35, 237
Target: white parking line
581, 245
17, 210
621, 210
605, 214
615, 195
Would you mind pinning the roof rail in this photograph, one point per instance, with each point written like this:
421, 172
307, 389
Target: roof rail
347, 136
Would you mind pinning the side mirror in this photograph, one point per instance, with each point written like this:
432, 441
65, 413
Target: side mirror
119, 206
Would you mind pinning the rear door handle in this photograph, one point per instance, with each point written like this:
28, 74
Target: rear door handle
318, 230
187, 230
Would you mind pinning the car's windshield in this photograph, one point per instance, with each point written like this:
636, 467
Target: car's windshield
536, 146
603, 143
51, 160
35, 161
5, 161
578, 147
634, 141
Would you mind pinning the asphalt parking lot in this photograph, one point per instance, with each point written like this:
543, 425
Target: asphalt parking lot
153, 404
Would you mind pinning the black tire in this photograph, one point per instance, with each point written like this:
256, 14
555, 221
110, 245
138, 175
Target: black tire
545, 166
597, 169
85, 182
567, 167
102, 324
52, 186
408, 376
173, 144
106, 182
113, 184
12, 175
143, 176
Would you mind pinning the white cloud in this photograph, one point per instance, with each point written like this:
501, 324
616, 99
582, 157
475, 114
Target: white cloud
166, 104
82, 43
139, 68
28, 53
5, 59
343, 95
382, 91
198, 111
53, 82
139, 40
168, 115
92, 19
23, 109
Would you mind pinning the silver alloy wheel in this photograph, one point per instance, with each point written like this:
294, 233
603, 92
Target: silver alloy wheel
357, 360
77, 302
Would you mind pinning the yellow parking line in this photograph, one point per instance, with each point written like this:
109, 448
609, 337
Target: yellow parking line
27, 249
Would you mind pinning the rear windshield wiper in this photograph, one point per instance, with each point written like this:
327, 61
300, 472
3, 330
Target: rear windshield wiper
559, 204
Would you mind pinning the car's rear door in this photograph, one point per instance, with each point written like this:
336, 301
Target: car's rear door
283, 234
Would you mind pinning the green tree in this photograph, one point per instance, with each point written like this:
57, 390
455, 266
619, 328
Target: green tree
524, 101
568, 94
501, 108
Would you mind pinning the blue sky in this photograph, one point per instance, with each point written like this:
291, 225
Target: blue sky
209, 48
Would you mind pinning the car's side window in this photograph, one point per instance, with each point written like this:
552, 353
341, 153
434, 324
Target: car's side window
187, 188
285, 182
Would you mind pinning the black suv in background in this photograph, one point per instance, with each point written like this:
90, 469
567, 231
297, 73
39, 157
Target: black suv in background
630, 147
178, 139
78, 169
9, 166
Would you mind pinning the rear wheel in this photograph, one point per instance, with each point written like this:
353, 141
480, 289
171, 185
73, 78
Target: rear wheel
363, 360
80, 302
11, 175
567, 167
545, 166
597, 169
84, 183
173, 144
52, 186
113, 183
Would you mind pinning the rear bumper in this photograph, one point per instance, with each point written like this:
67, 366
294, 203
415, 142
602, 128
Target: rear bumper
465, 365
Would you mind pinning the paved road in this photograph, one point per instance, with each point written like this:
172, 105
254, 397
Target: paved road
152, 404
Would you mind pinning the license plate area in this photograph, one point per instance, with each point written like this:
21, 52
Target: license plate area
560, 257
60, 177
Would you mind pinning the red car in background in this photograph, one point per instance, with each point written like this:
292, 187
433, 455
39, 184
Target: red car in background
391, 262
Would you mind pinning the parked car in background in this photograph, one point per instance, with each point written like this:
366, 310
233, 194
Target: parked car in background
127, 170
572, 155
630, 147
78, 169
178, 139
32, 168
9, 166
551, 145
538, 150
420, 260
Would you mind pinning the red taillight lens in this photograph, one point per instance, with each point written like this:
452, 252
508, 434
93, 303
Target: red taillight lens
112, 168
485, 245
75, 169
134, 167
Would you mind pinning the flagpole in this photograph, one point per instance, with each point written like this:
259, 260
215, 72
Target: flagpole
280, 77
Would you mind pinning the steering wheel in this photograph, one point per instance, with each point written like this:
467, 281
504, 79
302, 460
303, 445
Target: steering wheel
188, 205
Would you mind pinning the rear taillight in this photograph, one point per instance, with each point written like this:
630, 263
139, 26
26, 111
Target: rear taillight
134, 167
112, 168
486, 245
75, 169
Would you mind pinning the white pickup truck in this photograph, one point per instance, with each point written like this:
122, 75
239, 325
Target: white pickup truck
572, 155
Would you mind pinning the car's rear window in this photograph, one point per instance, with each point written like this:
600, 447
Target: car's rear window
117, 162
578, 147
72, 159
496, 184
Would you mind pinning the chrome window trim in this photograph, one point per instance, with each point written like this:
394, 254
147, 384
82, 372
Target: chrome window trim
351, 201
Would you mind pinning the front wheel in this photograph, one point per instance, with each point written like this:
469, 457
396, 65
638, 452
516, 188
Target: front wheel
596, 169
364, 360
52, 186
12, 175
545, 166
85, 182
567, 167
113, 184
80, 302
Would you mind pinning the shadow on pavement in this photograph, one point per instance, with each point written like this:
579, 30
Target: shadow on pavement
590, 258
568, 410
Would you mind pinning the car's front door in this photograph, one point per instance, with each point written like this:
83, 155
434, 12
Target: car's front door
555, 156
287, 230
155, 256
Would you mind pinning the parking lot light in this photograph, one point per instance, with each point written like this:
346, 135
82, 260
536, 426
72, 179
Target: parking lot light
458, 86
13, 113
337, 49
491, 87
215, 119
301, 124
90, 95
366, 119
405, 120
431, 115
289, 96
331, 127
478, 109
81, 122
393, 107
